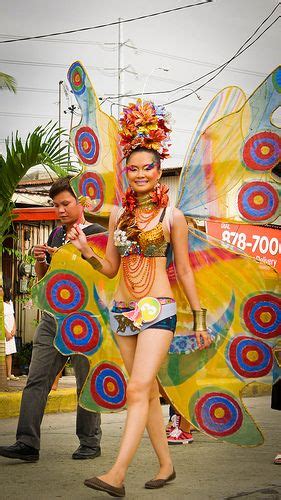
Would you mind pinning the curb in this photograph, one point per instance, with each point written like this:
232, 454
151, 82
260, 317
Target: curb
61, 400
65, 400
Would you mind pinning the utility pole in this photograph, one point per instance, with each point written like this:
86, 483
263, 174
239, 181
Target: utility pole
60, 84
71, 109
120, 64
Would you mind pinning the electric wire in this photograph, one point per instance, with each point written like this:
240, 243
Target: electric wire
57, 65
105, 25
241, 49
106, 46
192, 61
222, 68
113, 47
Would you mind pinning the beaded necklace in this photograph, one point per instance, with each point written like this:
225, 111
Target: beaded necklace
145, 211
138, 270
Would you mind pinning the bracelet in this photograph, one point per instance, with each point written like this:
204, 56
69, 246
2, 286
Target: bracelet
95, 263
199, 320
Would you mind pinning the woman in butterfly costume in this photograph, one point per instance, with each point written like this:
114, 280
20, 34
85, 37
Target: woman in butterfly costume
143, 315
204, 385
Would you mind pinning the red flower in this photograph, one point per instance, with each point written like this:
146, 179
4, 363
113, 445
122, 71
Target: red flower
129, 201
143, 125
159, 196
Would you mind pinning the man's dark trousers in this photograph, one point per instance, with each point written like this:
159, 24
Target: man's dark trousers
46, 363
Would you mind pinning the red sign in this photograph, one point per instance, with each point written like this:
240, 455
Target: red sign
263, 243
35, 213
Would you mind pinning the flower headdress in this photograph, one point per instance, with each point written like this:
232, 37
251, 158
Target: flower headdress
145, 125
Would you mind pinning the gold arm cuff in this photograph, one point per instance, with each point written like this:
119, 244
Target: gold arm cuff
95, 263
199, 320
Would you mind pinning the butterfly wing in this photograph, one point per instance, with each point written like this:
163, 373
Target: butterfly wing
231, 166
76, 295
243, 317
71, 290
95, 142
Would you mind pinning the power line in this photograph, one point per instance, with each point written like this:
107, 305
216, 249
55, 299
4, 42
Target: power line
192, 61
108, 72
113, 23
25, 115
222, 68
37, 90
55, 65
107, 46
113, 47
219, 68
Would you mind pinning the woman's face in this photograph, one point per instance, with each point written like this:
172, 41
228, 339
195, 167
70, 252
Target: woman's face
143, 172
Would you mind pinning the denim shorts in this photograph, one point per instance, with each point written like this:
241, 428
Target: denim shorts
166, 320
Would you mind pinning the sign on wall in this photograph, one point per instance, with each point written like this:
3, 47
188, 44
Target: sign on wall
263, 243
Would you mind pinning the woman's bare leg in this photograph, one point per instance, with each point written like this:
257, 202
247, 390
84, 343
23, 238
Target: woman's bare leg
9, 365
156, 431
155, 422
152, 346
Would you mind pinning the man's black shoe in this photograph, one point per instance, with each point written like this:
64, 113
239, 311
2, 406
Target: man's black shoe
85, 452
20, 451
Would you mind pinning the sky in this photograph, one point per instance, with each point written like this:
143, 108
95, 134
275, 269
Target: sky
158, 53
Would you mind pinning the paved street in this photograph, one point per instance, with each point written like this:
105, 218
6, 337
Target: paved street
205, 469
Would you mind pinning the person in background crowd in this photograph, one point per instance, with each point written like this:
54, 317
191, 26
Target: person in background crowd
10, 331
46, 360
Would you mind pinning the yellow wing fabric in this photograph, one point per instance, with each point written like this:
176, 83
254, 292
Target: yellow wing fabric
95, 142
244, 318
231, 167
77, 296
72, 291
226, 279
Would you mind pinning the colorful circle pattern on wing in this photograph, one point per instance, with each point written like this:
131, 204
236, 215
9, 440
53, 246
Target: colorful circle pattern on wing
87, 145
262, 315
218, 414
81, 332
65, 292
108, 386
91, 185
258, 201
76, 77
262, 151
250, 358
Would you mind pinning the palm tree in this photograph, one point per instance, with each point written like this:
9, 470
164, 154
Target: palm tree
42, 147
7, 82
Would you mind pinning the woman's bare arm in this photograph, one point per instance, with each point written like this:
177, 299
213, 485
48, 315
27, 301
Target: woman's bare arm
108, 266
179, 238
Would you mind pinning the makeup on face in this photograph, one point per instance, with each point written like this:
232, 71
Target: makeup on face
145, 168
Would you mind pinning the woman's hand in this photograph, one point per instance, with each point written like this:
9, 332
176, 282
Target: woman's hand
203, 339
9, 336
79, 240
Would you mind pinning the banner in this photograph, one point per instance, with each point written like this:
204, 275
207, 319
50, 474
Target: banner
263, 243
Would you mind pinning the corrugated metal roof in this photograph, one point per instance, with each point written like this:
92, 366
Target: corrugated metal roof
31, 199
35, 182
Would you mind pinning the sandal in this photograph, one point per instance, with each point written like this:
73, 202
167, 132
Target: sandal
13, 377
